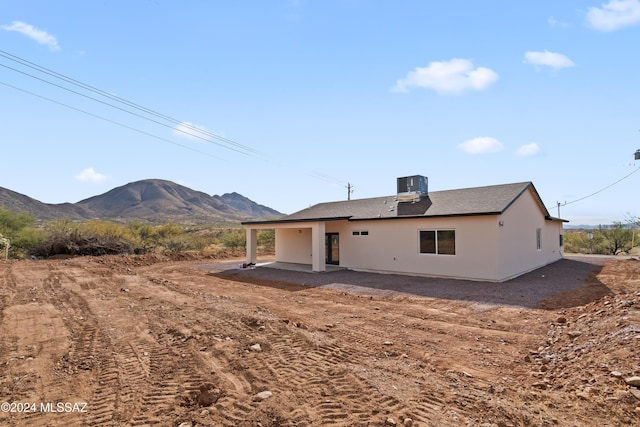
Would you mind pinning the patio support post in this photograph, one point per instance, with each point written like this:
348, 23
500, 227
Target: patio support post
317, 247
252, 245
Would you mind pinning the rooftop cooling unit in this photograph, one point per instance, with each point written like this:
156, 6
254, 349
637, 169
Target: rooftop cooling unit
412, 188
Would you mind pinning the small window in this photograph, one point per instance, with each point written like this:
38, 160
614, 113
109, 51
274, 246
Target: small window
561, 240
427, 242
355, 233
440, 242
360, 233
538, 238
364, 233
446, 242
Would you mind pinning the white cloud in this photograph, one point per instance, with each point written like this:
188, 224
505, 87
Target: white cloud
189, 130
453, 76
550, 59
554, 23
90, 175
481, 145
528, 150
614, 15
33, 33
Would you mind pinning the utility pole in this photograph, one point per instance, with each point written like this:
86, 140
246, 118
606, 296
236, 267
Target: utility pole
558, 209
349, 190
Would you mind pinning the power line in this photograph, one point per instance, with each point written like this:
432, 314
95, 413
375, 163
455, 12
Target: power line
127, 111
232, 145
597, 192
95, 90
314, 174
107, 120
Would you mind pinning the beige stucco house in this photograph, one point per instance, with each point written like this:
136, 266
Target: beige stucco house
491, 233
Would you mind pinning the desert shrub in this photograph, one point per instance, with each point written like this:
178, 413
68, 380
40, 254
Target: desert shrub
144, 236
105, 230
65, 237
200, 242
20, 229
578, 242
617, 238
25, 241
98, 237
169, 237
167, 231
267, 239
605, 240
176, 244
234, 238
12, 222
186, 242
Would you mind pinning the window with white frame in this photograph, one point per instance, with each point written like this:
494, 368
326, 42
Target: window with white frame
438, 242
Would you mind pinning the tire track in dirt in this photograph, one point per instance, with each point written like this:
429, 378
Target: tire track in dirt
183, 384
31, 305
175, 368
161, 390
154, 345
236, 406
134, 369
235, 412
294, 363
147, 380
7, 292
18, 285
431, 401
90, 348
131, 375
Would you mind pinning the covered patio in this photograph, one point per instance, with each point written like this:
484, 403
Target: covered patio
311, 243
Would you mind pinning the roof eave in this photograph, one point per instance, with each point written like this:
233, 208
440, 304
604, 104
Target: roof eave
289, 221
553, 218
425, 216
348, 218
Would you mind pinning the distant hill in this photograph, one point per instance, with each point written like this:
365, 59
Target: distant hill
247, 206
20, 203
152, 200
595, 227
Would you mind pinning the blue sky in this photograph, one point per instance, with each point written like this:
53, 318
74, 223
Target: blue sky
310, 95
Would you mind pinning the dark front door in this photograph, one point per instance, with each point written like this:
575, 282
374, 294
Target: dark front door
332, 248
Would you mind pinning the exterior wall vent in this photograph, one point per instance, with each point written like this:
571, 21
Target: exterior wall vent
412, 188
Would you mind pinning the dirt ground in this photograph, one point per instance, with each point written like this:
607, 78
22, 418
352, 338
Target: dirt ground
187, 340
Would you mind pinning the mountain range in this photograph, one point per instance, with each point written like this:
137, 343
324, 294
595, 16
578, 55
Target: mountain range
152, 200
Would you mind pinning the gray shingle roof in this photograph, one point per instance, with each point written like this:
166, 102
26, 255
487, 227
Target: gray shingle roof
488, 200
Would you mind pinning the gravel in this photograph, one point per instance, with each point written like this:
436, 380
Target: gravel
527, 290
